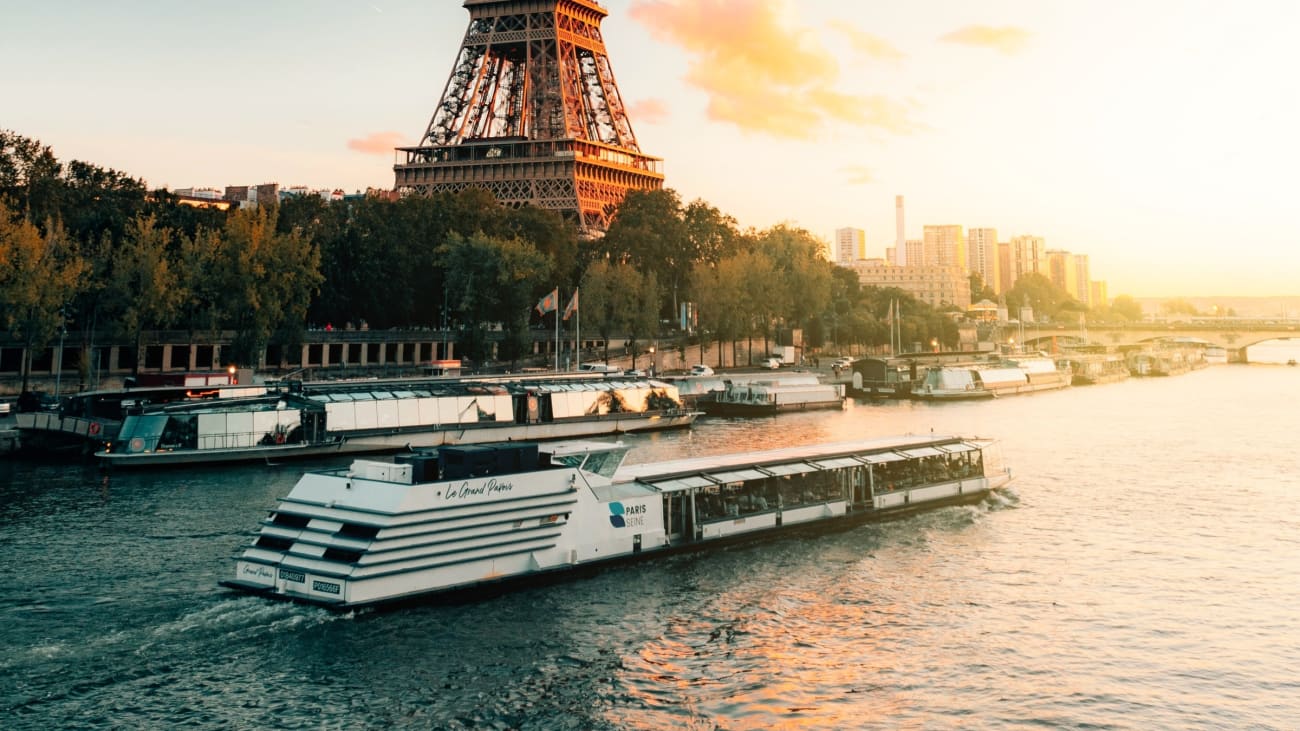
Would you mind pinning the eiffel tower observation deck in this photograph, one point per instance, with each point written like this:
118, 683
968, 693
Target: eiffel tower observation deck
531, 113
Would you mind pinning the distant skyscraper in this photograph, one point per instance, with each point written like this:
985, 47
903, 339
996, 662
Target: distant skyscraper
850, 245
900, 243
913, 253
945, 246
1082, 279
982, 250
1097, 294
1028, 256
1006, 273
1060, 269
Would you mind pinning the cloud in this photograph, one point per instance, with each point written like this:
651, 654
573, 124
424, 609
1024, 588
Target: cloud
1008, 39
858, 174
761, 70
378, 143
866, 44
650, 111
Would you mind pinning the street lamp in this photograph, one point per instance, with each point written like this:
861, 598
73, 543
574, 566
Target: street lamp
58, 374
934, 344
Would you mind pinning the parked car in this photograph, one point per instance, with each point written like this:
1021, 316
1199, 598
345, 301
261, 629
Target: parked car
772, 363
5, 408
699, 369
37, 401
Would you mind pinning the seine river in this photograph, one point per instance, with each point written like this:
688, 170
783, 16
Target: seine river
1141, 572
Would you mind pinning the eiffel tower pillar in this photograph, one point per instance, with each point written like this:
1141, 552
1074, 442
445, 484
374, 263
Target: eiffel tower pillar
531, 113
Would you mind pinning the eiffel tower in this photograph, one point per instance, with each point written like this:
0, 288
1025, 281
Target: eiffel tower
532, 114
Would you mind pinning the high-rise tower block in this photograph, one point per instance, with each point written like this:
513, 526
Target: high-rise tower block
531, 113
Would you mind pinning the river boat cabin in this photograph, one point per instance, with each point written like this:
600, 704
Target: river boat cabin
465, 517
356, 418
767, 398
1005, 377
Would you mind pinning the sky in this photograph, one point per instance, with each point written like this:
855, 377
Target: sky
1160, 137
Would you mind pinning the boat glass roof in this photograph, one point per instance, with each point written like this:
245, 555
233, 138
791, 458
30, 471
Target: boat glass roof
921, 452
790, 468
737, 475
882, 457
828, 464
683, 483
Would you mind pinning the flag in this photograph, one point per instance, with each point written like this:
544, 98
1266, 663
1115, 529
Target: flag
573, 305
550, 302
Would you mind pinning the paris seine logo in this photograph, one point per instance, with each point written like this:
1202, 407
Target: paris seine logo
622, 517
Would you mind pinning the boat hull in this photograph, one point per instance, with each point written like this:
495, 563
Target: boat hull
727, 408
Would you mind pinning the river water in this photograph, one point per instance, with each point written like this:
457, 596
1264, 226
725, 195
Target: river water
1139, 573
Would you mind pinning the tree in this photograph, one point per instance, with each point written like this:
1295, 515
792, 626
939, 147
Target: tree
522, 272
649, 233
1037, 291
718, 292
611, 294
496, 281
980, 290
40, 274
644, 321
796, 256
1178, 306
144, 284
266, 280
1127, 308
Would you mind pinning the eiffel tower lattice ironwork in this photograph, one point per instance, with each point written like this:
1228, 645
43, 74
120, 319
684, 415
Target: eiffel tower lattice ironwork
531, 113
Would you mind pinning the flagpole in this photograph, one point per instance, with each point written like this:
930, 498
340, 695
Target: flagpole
557, 331
577, 329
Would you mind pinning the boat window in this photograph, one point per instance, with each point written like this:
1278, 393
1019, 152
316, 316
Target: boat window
291, 521
141, 433
604, 463
567, 460
353, 530
341, 555
181, 432
274, 543
737, 499
808, 488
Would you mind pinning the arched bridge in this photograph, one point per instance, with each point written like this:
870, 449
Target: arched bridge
1235, 336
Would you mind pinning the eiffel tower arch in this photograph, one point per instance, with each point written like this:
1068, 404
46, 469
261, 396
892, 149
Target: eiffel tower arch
531, 113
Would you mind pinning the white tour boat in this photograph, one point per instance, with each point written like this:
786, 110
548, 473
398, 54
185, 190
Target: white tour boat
1014, 375
466, 517
769, 397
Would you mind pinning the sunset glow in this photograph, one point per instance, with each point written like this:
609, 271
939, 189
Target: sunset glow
1155, 136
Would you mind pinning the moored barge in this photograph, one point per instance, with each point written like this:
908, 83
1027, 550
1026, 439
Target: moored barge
356, 418
466, 517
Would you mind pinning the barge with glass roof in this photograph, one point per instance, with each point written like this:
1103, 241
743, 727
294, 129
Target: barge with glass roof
358, 418
465, 518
